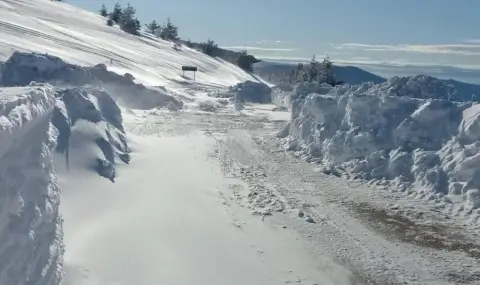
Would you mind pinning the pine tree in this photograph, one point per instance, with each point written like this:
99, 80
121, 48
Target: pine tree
209, 48
325, 73
103, 11
245, 61
169, 31
313, 74
153, 27
128, 21
116, 13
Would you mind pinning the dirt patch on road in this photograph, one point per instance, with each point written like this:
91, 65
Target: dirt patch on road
398, 227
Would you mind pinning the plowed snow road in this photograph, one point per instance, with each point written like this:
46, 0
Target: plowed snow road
210, 199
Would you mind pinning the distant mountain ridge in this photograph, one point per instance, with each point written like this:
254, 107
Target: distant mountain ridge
274, 71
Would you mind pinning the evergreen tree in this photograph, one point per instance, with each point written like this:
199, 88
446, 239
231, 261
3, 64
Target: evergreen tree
245, 61
169, 31
209, 48
313, 74
188, 43
320, 72
153, 27
128, 21
116, 13
325, 73
103, 11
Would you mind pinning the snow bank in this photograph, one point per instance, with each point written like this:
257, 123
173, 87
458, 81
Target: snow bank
22, 68
406, 131
419, 86
247, 91
250, 91
34, 122
88, 117
31, 249
281, 95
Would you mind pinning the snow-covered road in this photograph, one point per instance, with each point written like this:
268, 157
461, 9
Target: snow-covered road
211, 198
165, 221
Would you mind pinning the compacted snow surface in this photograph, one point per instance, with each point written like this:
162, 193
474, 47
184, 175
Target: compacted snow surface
165, 222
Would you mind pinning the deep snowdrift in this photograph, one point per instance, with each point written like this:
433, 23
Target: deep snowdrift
31, 245
281, 95
247, 91
91, 133
89, 120
406, 131
83, 124
250, 91
23, 68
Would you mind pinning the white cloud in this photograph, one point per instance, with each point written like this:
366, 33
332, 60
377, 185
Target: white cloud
366, 61
269, 42
256, 48
284, 58
472, 41
457, 49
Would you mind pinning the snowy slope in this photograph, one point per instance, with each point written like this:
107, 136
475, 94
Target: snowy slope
31, 244
83, 38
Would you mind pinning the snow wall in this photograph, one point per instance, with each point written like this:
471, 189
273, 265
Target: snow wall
89, 121
412, 131
22, 68
74, 121
91, 133
281, 95
31, 246
247, 91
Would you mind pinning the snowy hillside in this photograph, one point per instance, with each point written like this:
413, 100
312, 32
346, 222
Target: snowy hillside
83, 38
402, 132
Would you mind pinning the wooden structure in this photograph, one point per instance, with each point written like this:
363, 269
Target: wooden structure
189, 68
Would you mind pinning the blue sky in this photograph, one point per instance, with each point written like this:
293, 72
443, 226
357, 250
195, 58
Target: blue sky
361, 32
